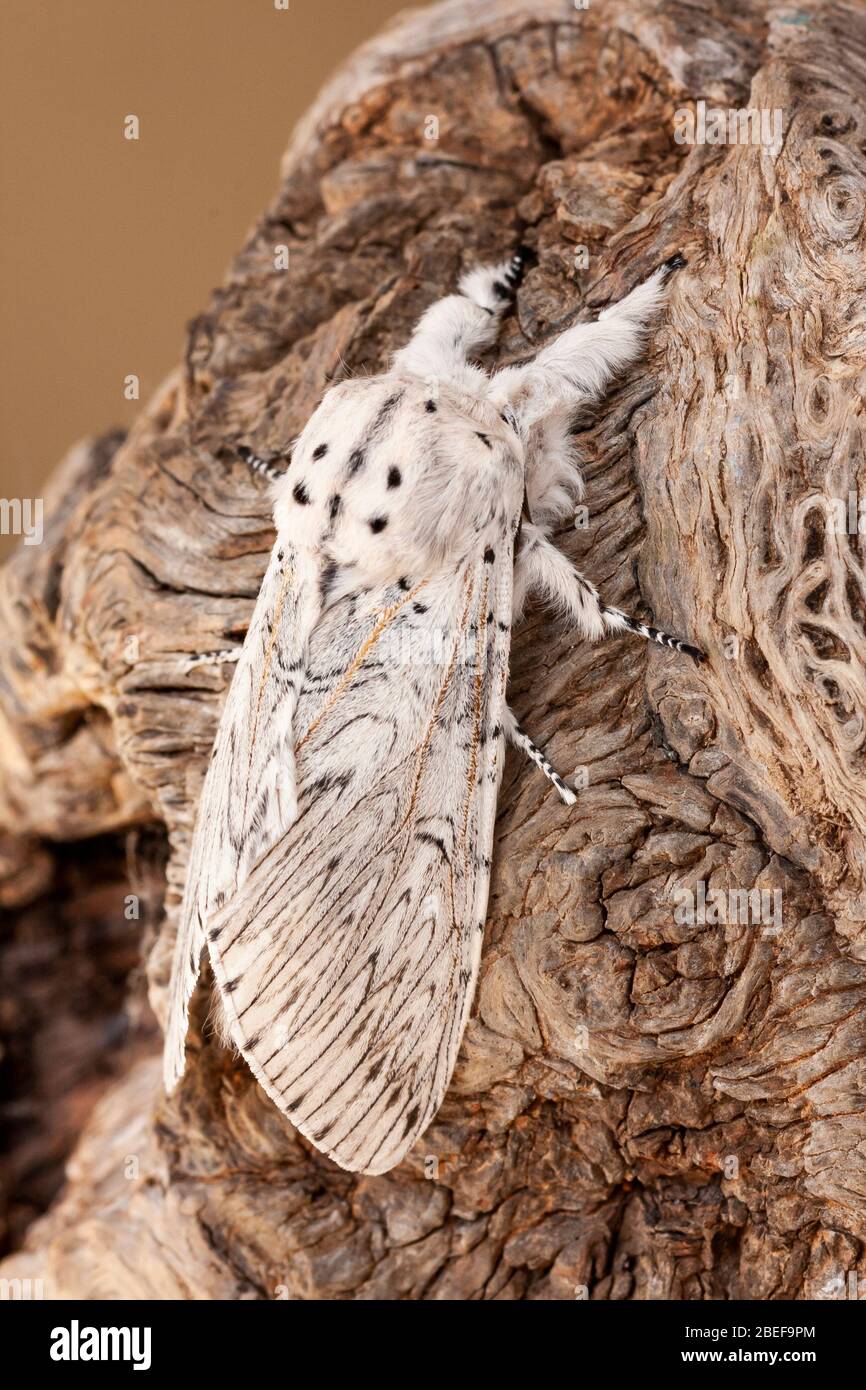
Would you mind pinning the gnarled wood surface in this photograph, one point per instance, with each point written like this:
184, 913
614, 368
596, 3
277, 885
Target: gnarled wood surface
643, 1108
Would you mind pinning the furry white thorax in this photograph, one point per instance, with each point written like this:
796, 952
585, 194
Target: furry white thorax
525, 411
401, 489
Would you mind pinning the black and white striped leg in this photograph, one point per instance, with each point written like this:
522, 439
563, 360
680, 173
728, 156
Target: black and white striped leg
521, 740
507, 284
223, 658
260, 465
617, 621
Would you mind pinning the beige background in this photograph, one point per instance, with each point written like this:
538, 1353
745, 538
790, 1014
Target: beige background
109, 246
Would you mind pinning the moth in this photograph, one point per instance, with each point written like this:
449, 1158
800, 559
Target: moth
339, 868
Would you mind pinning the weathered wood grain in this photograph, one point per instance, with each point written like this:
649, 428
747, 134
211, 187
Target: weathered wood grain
643, 1107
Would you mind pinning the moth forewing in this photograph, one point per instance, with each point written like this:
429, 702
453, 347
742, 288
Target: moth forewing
348, 960
249, 796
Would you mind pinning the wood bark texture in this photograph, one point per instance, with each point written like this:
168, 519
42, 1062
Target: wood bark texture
644, 1108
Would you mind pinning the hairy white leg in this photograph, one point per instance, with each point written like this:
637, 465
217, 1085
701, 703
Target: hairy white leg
518, 736
541, 568
553, 479
583, 360
641, 302
460, 325
492, 287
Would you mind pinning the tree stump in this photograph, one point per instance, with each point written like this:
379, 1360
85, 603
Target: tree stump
647, 1105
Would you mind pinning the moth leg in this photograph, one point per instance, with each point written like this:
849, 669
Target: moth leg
641, 303
541, 568
462, 324
584, 359
617, 621
259, 465
492, 287
521, 739
223, 658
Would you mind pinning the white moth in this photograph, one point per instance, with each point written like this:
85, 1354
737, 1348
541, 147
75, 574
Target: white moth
341, 858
